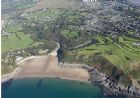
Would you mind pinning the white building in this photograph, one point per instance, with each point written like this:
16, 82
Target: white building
136, 44
110, 0
88, 0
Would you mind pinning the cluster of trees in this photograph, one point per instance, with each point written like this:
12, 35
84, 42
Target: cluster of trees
105, 20
69, 20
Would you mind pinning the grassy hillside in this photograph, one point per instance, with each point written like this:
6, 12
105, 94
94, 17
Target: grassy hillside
53, 4
124, 55
113, 31
106, 56
16, 41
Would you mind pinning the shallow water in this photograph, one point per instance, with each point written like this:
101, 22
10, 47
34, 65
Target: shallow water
51, 88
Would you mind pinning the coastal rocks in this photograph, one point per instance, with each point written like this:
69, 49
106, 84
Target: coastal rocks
103, 80
110, 87
96, 78
11, 75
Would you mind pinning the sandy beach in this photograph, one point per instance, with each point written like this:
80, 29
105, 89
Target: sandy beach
47, 66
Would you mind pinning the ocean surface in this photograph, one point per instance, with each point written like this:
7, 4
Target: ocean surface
51, 88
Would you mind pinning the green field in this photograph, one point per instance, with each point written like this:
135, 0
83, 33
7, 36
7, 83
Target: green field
56, 22
12, 26
16, 41
64, 4
52, 13
124, 55
7, 69
69, 34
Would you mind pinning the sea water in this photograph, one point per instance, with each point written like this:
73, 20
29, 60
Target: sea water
51, 88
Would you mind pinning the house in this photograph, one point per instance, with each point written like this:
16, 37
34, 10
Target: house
88, 0
122, 1
4, 33
136, 44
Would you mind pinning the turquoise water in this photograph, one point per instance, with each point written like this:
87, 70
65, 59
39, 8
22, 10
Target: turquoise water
50, 88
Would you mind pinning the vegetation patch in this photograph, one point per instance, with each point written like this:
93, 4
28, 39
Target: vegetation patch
16, 41
69, 34
120, 54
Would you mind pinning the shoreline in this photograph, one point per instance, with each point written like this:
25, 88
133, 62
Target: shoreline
7, 77
49, 66
15, 74
55, 77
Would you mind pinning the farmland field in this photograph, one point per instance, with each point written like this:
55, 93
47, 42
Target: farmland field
16, 41
53, 4
124, 55
112, 33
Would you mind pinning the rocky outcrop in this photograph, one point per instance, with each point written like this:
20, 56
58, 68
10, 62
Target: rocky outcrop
11, 75
109, 86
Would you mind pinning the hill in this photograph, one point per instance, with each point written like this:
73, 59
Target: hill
104, 34
66, 4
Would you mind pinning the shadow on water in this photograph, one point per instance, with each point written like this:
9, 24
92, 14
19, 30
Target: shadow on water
7, 84
82, 83
38, 85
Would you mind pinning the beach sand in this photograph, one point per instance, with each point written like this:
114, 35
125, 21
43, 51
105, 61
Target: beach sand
47, 66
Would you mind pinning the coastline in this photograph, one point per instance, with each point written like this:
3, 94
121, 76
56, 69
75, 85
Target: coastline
49, 88
48, 76
11, 75
28, 67
15, 72
7, 77
102, 79
52, 70
49, 66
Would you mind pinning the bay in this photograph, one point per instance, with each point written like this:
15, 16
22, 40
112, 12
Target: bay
51, 88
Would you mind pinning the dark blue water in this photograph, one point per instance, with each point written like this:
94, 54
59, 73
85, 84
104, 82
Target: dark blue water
51, 88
